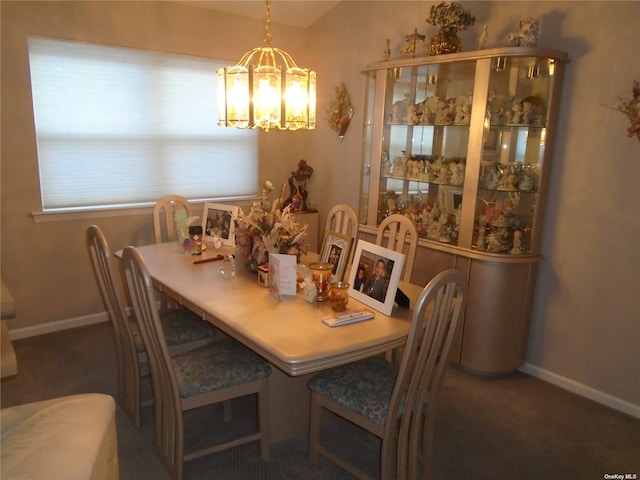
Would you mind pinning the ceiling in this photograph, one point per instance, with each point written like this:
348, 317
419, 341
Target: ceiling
295, 13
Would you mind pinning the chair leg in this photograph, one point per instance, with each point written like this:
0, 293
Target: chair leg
263, 419
226, 410
314, 431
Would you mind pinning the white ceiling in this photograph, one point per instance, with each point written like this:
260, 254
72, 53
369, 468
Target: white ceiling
296, 13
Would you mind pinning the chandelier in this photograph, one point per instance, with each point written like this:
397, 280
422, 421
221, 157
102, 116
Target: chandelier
267, 89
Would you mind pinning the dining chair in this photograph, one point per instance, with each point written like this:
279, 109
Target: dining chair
164, 217
396, 404
215, 373
399, 231
183, 329
342, 218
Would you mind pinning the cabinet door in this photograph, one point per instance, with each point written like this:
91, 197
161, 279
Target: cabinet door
427, 116
511, 176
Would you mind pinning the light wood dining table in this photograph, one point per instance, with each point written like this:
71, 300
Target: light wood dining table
288, 332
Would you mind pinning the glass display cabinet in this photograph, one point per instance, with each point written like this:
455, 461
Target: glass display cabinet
461, 144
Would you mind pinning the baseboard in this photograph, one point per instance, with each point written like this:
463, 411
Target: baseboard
18, 333
582, 390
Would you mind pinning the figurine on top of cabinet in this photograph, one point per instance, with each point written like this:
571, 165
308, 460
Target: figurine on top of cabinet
482, 41
387, 50
412, 39
526, 35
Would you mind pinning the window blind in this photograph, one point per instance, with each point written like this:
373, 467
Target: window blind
117, 126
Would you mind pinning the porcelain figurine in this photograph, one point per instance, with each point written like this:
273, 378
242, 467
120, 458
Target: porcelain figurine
482, 41
517, 243
526, 35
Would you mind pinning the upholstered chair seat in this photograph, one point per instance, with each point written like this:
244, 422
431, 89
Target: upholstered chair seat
364, 387
181, 328
225, 365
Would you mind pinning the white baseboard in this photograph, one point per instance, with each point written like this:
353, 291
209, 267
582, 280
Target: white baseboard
18, 333
582, 390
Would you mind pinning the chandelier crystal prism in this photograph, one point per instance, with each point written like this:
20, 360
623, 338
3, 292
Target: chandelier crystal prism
267, 89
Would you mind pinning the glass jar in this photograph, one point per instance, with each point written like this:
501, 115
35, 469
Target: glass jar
321, 272
339, 296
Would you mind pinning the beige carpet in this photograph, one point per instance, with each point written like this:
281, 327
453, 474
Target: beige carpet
510, 428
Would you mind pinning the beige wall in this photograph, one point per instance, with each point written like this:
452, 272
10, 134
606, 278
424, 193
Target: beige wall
585, 328
45, 264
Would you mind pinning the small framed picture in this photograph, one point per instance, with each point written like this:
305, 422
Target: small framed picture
451, 197
218, 219
336, 248
492, 142
374, 276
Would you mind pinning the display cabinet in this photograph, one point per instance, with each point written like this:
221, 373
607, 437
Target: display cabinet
461, 144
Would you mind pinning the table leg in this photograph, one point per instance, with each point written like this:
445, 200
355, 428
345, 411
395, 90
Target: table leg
288, 405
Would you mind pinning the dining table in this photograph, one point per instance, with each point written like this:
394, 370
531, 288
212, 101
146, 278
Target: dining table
288, 331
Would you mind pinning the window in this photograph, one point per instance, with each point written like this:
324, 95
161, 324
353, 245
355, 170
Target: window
120, 127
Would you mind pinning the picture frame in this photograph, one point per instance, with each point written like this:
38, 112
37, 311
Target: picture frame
336, 248
377, 293
222, 217
492, 142
451, 197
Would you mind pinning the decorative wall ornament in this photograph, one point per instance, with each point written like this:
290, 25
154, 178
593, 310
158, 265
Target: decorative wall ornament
340, 111
631, 108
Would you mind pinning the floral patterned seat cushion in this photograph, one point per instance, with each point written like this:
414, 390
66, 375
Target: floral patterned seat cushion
180, 326
217, 365
364, 386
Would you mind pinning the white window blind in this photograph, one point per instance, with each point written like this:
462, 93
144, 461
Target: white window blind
118, 126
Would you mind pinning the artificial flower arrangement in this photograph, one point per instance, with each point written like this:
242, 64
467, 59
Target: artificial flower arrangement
267, 229
450, 16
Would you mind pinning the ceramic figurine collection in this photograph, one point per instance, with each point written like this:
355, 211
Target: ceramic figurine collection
451, 18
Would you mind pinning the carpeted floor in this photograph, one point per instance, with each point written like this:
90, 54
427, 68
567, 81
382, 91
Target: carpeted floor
516, 427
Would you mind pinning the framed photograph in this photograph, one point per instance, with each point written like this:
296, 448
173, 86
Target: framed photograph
374, 276
336, 248
491, 143
218, 218
450, 197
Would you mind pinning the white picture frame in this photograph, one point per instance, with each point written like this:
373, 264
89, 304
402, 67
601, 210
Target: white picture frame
222, 217
369, 290
336, 248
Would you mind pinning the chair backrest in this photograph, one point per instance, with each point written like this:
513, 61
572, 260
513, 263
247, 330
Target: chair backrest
425, 359
164, 217
342, 219
128, 366
167, 408
399, 231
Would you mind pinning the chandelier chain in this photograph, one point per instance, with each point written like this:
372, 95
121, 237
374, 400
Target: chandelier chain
267, 26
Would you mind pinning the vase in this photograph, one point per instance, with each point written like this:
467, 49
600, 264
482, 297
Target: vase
445, 41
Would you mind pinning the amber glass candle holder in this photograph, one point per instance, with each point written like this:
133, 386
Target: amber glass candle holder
339, 296
321, 272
